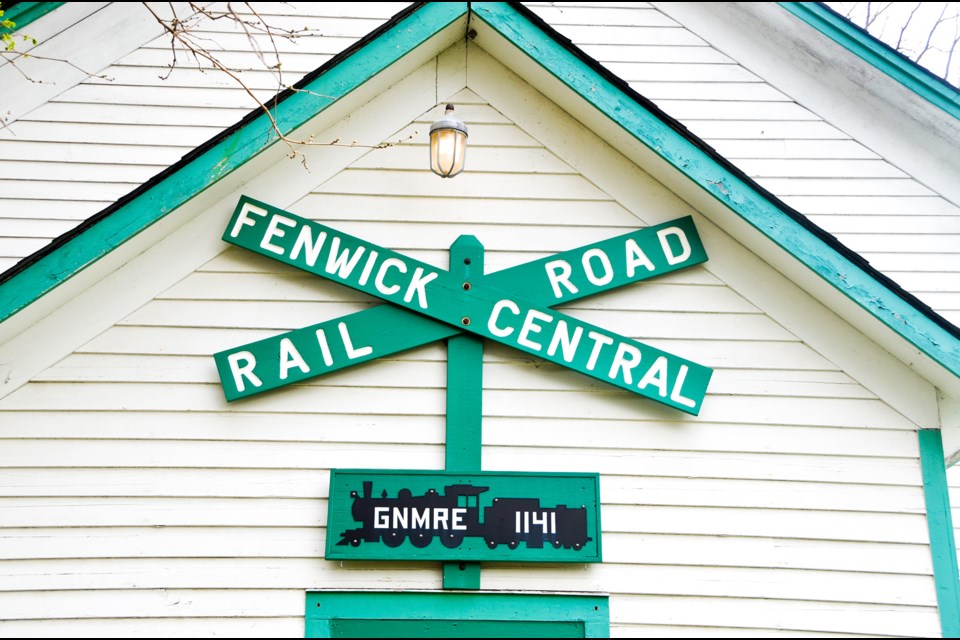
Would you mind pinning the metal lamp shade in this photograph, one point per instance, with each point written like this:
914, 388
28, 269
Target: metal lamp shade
448, 145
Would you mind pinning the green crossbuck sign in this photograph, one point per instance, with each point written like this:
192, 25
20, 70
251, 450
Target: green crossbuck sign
512, 306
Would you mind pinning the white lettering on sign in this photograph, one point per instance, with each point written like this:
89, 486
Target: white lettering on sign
598, 269
546, 521
558, 272
414, 518
502, 332
324, 347
657, 376
342, 264
626, 360
417, 284
530, 326
243, 220
290, 357
622, 362
421, 519
678, 233
636, 258
243, 364
308, 245
678, 387
598, 280
563, 339
368, 268
352, 353
274, 231
379, 283
243, 371
599, 342
342, 257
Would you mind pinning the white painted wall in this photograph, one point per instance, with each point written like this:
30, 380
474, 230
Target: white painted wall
135, 500
84, 141
66, 159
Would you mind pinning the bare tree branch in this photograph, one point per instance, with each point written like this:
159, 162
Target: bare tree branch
876, 15
906, 24
953, 47
181, 32
914, 29
13, 56
933, 30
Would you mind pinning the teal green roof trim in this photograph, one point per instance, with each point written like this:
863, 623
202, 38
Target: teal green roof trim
608, 94
23, 13
103, 233
886, 59
732, 189
943, 548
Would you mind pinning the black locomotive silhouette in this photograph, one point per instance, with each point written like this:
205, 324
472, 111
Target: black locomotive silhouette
507, 521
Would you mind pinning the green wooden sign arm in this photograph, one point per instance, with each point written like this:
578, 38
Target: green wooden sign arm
389, 330
464, 401
473, 306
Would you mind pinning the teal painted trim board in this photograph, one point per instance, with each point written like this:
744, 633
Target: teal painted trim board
24, 13
943, 548
722, 183
883, 57
325, 608
160, 196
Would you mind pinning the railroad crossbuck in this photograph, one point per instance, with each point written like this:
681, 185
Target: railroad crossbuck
512, 306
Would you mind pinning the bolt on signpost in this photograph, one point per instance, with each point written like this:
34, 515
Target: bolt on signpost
463, 305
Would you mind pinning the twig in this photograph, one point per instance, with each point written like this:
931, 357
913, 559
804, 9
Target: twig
180, 33
906, 24
17, 55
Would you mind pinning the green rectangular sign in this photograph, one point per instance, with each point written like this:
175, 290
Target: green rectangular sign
431, 614
483, 516
511, 306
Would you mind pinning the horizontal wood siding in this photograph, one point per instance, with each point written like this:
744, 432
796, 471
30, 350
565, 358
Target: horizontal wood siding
97, 140
792, 505
868, 203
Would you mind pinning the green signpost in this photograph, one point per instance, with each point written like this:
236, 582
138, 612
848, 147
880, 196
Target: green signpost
463, 516
512, 307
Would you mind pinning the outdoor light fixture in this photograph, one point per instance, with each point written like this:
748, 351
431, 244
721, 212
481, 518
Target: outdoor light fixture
448, 145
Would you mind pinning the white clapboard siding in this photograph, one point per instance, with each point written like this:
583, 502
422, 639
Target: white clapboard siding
167, 627
141, 118
667, 90
692, 631
793, 503
207, 544
874, 206
795, 497
745, 118
760, 151
953, 482
752, 124
201, 573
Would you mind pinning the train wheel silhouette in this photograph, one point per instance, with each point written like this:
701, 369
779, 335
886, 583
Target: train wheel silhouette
492, 544
421, 540
513, 544
393, 539
451, 540
557, 544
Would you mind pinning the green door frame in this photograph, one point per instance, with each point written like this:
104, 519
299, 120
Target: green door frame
333, 614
